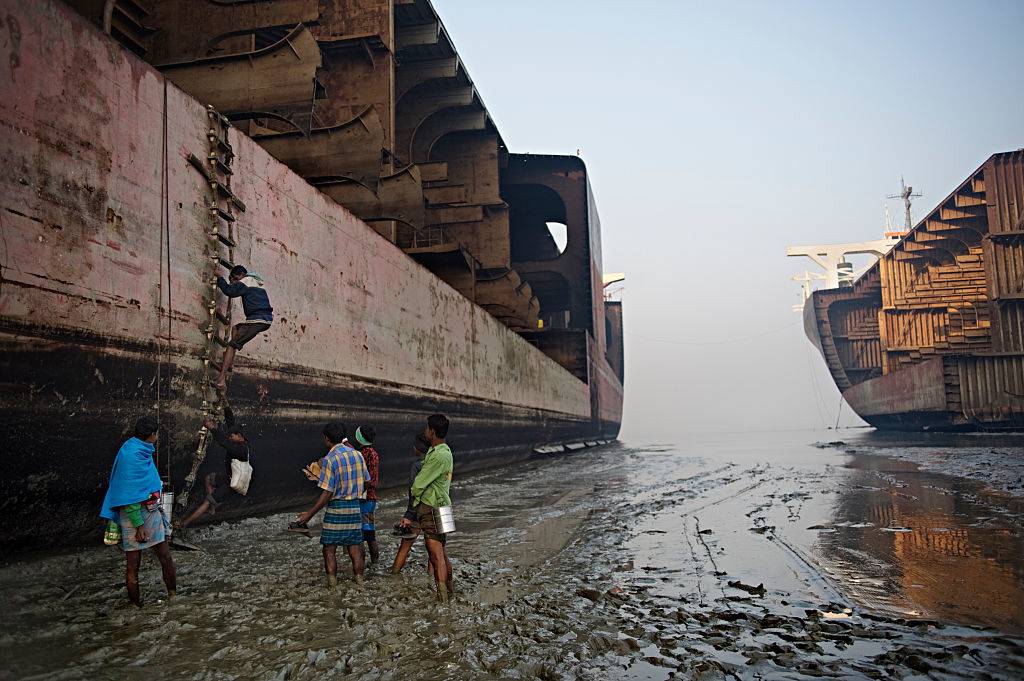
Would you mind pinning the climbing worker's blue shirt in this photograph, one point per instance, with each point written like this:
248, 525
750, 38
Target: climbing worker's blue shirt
133, 478
255, 301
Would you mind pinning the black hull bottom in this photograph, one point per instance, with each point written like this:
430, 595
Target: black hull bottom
932, 422
67, 408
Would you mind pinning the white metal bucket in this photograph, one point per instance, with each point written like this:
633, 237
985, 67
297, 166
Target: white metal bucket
444, 518
167, 502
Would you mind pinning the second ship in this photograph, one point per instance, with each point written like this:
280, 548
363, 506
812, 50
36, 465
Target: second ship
931, 336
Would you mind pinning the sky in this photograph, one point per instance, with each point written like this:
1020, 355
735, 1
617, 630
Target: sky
715, 135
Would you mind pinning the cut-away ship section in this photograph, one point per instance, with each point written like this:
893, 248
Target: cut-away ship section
339, 149
932, 335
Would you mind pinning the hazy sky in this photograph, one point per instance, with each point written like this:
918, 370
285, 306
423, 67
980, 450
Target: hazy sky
716, 134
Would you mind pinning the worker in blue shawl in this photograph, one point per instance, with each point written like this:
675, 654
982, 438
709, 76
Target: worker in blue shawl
133, 504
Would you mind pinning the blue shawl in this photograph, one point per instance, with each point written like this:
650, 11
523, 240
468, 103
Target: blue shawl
133, 478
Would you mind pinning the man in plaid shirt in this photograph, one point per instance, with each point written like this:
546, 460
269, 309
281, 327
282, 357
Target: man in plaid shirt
342, 476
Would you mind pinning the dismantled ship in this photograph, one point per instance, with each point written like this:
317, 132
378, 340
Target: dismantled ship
336, 147
932, 335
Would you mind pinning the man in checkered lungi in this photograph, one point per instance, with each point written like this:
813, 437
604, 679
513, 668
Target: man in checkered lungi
343, 476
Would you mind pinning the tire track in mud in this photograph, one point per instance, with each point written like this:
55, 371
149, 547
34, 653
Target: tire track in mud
697, 563
804, 567
812, 574
801, 565
712, 481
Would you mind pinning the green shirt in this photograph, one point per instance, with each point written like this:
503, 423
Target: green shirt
434, 480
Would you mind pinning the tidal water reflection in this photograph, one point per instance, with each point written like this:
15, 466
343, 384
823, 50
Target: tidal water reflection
928, 544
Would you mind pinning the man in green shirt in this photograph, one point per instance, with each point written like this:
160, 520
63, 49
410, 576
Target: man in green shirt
430, 490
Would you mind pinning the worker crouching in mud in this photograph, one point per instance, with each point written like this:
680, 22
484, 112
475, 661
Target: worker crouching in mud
258, 314
218, 485
132, 505
430, 491
342, 476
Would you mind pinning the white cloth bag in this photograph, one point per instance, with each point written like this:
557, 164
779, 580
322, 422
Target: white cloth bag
241, 474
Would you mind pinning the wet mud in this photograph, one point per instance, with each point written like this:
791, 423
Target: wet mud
992, 459
738, 557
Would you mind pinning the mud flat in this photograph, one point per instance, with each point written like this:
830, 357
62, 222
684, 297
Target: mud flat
742, 556
989, 458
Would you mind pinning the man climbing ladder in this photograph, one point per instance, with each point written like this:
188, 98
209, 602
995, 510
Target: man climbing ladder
258, 315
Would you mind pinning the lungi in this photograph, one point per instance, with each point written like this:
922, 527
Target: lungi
154, 521
343, 523
368, 507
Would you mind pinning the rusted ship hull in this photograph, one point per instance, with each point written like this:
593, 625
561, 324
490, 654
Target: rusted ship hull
932, 336
106, 303
60, 441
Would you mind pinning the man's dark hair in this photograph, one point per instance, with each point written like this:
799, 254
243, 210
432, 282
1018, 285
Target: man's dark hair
421, 444
146, 426
335, 432
239, 271
233, 430
439, 424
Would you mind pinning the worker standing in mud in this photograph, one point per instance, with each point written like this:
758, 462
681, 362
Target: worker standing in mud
408, 529
218, 484
258, 314
430, 491
364, 437
342, 477
132, 505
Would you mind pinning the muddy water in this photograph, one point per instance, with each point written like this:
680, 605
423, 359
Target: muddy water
749, 555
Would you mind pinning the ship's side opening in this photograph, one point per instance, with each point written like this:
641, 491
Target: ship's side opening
560, 233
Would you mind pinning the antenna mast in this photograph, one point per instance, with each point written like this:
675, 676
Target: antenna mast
906, 193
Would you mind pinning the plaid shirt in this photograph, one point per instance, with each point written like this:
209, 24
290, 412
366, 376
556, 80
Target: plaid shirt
343, 472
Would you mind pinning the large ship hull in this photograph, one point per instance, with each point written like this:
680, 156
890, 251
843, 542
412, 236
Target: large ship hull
59, 443
105, 303
932, 336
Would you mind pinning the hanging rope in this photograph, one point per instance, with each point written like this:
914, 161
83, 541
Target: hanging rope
160, 292
165, 265
839, 412
167, 238
816, 394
